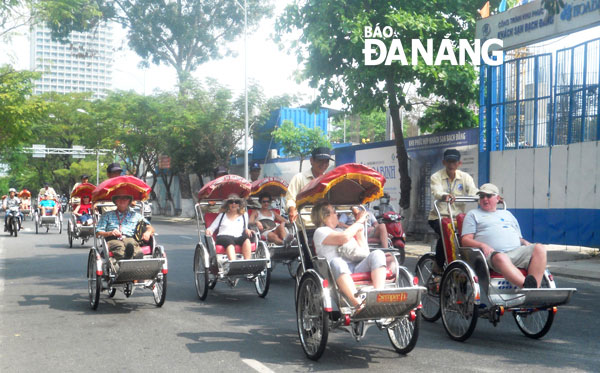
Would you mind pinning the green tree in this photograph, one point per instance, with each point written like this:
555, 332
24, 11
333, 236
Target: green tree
443, 116
17, 113
299, 141
359, 127
332, 42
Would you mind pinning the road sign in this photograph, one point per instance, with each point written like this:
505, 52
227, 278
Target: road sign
38, 151
78, 151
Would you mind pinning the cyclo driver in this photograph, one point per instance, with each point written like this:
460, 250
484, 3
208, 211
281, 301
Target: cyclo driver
119, 226
10, 202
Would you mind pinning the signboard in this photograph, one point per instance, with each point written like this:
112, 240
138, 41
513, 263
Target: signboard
530, 23
39, 151
77, 148
164, 162
384, 161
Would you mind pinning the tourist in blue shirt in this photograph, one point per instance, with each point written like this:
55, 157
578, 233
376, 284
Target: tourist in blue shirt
48, 203
118, 228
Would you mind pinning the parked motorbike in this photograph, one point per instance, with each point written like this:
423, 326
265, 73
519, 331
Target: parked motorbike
393, 223
14, 220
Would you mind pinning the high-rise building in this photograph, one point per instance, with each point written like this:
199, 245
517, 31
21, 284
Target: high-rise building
83, 64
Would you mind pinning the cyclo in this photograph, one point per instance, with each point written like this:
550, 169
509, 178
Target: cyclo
469, 289
26, 208
210, 260
320, 306
286, 254
103, 272
75, 229
48, 220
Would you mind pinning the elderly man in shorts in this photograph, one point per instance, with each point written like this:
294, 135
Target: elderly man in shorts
498, 235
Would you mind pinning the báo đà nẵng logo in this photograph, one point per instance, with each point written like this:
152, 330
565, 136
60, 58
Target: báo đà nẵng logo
376, 51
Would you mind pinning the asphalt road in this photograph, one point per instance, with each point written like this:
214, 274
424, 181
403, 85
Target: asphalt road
47, 325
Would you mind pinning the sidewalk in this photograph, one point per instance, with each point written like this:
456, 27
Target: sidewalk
568, 261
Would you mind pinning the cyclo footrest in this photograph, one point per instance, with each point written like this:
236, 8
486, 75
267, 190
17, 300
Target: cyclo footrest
244, 267
395, 302
534, 298
138, 269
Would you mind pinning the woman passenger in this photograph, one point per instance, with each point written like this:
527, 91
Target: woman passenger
83, 211
232, 224
275, 233
327, 239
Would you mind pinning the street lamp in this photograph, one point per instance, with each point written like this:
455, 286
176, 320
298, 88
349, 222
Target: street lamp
245, 85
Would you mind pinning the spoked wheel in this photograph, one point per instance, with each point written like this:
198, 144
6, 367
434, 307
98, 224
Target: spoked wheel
200, 273
312, 320
457, 302
535, 324
70, 233
111, 292
263, 280
94, 283
404, 332
37, 224
431, 299
160, 287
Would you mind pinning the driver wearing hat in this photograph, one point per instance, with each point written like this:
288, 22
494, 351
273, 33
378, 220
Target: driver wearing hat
119, 227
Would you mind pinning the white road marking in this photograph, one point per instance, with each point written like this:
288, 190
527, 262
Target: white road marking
257, 366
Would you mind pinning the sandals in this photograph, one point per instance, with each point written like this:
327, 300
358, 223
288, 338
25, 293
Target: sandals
362, 296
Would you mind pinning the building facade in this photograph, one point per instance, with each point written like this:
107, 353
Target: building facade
83, 64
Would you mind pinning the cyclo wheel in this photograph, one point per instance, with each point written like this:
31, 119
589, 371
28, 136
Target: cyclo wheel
457, 302
312, 320
160, 287
535, 324
404, 331
200, 272
94, 283
431, 299
70, 233
263, 280
37, 225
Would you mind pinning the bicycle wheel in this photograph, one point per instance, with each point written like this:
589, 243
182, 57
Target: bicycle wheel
263, 280
535, 324
431, 299
457, 302
94, 283
312, 320
200, 272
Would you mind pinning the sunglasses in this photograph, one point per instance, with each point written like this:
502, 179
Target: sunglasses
483, 195
236, 201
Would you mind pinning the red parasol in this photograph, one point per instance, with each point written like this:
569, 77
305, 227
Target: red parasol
121, 185
347, 184
221, 187
274, 186
24, 194
84, 189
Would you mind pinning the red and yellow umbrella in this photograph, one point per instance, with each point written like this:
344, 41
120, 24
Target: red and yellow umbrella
348, 184
24, 194
274, 186
121, 185
84, 189
221, 187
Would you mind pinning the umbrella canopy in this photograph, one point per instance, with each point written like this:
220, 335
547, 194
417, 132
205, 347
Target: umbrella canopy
24, 194
221, 187
121, 185
84, 189
274, 186
348, 184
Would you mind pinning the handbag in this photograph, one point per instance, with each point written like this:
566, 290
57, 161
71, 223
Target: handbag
352, 251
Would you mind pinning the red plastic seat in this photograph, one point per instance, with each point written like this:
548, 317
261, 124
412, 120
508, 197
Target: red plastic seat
146, 250
366, 276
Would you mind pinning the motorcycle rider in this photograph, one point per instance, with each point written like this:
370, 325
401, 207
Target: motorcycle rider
11, 201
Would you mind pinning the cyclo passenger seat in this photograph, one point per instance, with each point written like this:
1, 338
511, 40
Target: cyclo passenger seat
209, 217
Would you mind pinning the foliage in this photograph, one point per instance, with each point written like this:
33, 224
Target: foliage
364, 128
332, 42
16, 112
299, 141
444, 116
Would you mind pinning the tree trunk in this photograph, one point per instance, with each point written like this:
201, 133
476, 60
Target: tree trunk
184, 185
405, 182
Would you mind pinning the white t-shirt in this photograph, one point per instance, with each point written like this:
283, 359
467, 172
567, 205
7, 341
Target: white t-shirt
235, 227
499, 229
327, 251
